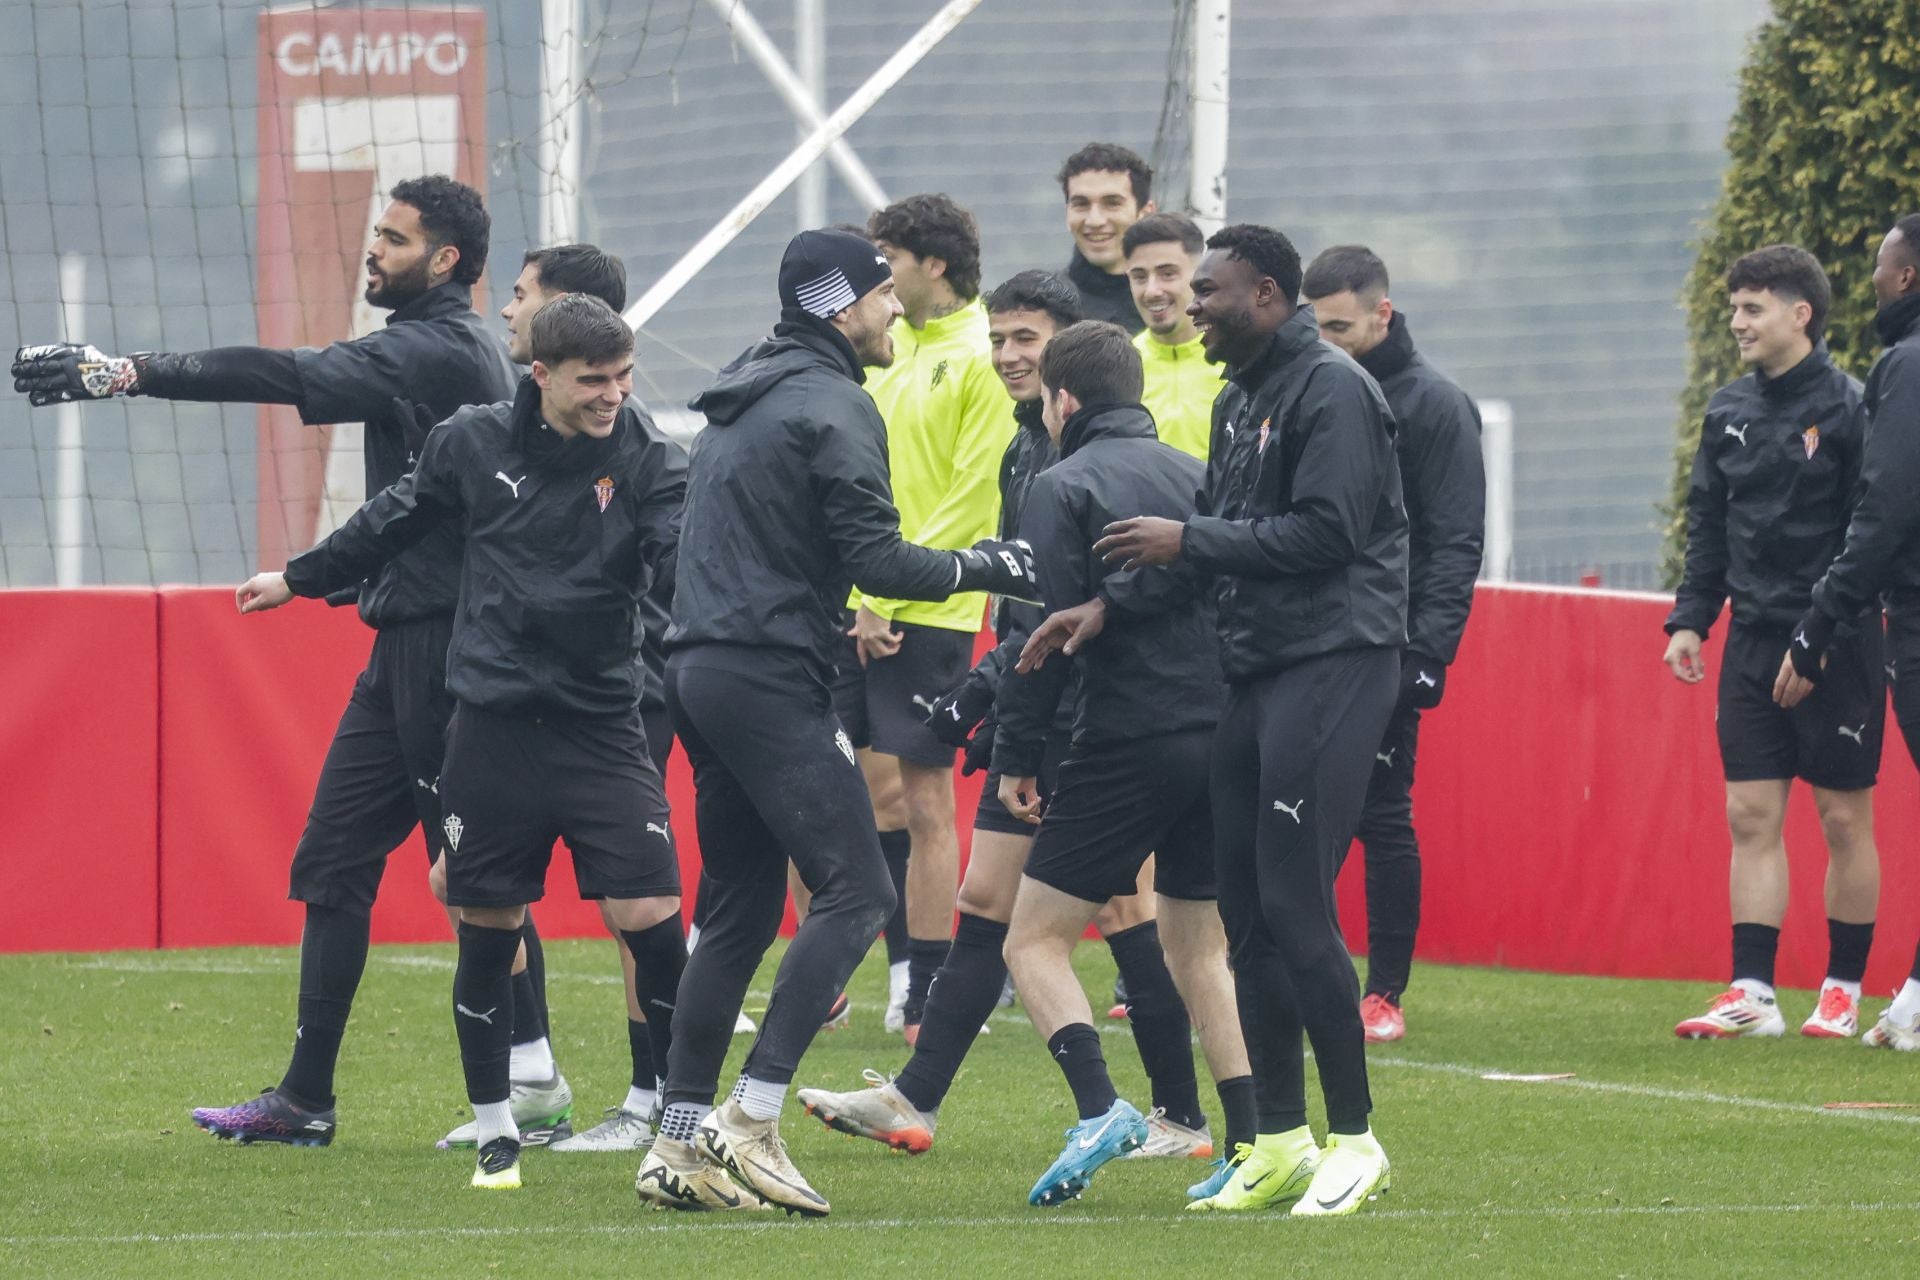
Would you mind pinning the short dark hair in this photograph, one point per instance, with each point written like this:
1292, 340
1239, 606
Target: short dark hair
1345, 268
1045, 291
1909, 229
1265, 250
580, 268
578, 326
452, 213
1787, 271
933, 226
1110, 157
1095, 360
1159, 228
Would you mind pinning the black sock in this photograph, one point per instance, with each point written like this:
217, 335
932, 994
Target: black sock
1847, 947
1754, 947
640, 1045
963, 997
1076, 1050
659, 956
1241, 1111
527, 1026
483, 1009
924, 958
1162, 1031
894, 847
537, 975
333, 955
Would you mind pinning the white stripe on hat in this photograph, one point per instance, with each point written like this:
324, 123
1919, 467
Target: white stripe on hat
828, 296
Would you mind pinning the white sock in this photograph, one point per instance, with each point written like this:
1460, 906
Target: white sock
1851, 988
682, 1121
1906, 1004
897, 979
495, 1119
639, 1101
1755, 988
760, 1100
693, 938
531, 1063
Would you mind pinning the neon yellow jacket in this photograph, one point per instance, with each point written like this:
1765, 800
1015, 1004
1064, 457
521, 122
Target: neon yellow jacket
948, 423
1181, 387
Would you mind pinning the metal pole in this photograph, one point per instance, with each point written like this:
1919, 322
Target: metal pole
562, 116
1207, 90
810, 60
756, 201
70, 462
1496, 444
807, 107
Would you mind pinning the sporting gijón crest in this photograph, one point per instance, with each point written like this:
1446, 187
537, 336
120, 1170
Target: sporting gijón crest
1810, 440
603, 491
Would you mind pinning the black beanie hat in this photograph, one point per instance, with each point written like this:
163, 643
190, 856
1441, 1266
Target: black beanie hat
824, 272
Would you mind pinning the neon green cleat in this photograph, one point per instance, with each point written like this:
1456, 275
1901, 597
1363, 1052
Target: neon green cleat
1353, 1171
498, 1168
1277, 1168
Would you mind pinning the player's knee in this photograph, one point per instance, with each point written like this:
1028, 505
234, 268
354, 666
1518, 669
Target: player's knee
437, 879
1848, 827
1752, 821
983, 901
630, 915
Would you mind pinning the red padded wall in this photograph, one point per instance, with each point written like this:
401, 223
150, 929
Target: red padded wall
77, 726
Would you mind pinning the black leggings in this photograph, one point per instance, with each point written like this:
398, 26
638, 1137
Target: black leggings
775, 779
1393, 857
1291, 761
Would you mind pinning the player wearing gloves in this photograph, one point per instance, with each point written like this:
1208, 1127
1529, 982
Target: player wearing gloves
788, 509
1438, 443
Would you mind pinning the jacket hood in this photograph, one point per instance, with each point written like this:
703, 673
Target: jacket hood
1394, 353
1897, 319
1106, 422
1300, 331
796, 347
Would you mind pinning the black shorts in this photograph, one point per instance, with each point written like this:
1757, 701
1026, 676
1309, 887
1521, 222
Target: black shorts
1832, 739
514, 784
991, 815
884, 704
1112, 806
381, 771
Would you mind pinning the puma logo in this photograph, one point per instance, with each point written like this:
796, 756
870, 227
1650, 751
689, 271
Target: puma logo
660, 830
1426, 680
1291, 810
486, 1017
1855, 734
1800, 638
925, 704
1386, 757
514, 485
1738, 433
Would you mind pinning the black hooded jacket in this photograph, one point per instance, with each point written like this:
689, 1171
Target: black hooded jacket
1882, 553
789, 505
1443, 478
1304, 523
1148, 673
564, 539
434, 355
1774, 482
1104, 295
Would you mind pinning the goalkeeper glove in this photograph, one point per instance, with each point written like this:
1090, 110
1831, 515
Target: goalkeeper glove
953, 717
1808, 648
1423, 680
1004, 568
58, 372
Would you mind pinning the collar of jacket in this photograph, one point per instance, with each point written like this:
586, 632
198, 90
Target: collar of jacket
1105, 422
1029, 415
441, 300
1798, 378
1897, 319
1152, 349
821, 337
542, 446
1394, 353
1091, 279
1300, 332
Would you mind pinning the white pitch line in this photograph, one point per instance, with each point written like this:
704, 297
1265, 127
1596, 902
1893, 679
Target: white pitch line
693, 1223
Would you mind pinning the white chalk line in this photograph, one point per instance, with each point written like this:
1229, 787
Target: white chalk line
701, 1223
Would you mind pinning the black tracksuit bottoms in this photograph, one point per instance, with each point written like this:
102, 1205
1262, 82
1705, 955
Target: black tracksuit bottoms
1393, 856
1291, 762
774, 779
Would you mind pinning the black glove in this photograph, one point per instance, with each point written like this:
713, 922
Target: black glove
1809, 644
57, 372
979, 753
1004, 568
953, 717
1423, 680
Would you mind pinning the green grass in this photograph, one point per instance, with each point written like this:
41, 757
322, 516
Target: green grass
1632, 1169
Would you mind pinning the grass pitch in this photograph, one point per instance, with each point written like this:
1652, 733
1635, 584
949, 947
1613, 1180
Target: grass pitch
1660, 1157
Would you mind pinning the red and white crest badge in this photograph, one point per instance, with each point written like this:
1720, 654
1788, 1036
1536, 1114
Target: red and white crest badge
1810, 440
603, 491
1265, 425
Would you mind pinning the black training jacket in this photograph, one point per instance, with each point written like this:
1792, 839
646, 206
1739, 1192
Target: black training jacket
1774, 482
434, 356
1104, 295
1443, 478
789, 505
564, 539
1304, 524
1148, 673
1882, 553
